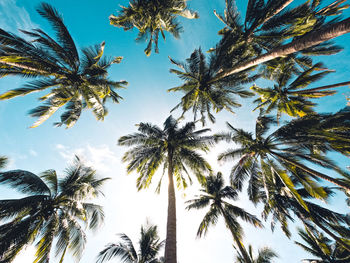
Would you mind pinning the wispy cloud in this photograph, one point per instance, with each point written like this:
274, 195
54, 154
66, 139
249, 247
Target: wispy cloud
14, 17
100, 157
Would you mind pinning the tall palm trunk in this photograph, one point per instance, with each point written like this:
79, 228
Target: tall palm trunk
170, 243
236, 239
314, 173
309, 40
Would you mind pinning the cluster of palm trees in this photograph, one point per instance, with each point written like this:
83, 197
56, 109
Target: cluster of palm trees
282, 166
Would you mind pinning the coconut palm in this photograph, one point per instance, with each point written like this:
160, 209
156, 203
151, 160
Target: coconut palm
292, 97
268, 25
279, 156
213, 196
151, 18
265, 255
203, 95
176, 149
75, 81
52, 213
322, 247
149, 247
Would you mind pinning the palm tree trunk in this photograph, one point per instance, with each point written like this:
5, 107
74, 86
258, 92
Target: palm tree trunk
313, 172
323, 87
309, 40
236, 239
170, 242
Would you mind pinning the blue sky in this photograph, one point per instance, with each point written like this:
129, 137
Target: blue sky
145, 100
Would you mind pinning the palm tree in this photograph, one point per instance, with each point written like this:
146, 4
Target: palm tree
202, 95
76, 82
291, 97
265, 255
175, 148
279, 156
149, 247
321, 247
52, 213
213, 195
152, 17
267, 26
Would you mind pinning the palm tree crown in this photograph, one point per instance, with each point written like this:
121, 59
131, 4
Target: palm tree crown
51, 213
149, 247
202, 94
279, 156
76, 82
154, 146
175, 148
151, 18
213, 196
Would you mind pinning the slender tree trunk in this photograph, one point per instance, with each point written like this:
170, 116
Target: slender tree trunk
314, 173
170, 242
309, 40
323, 87
237, 240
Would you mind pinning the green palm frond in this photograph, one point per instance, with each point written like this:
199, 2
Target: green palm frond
151, 148
74, 82
149, 247
24, 182
52, 212
214, 195
151, 18
202, 93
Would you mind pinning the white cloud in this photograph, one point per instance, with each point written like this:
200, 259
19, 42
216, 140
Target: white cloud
14, 17
99, 157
